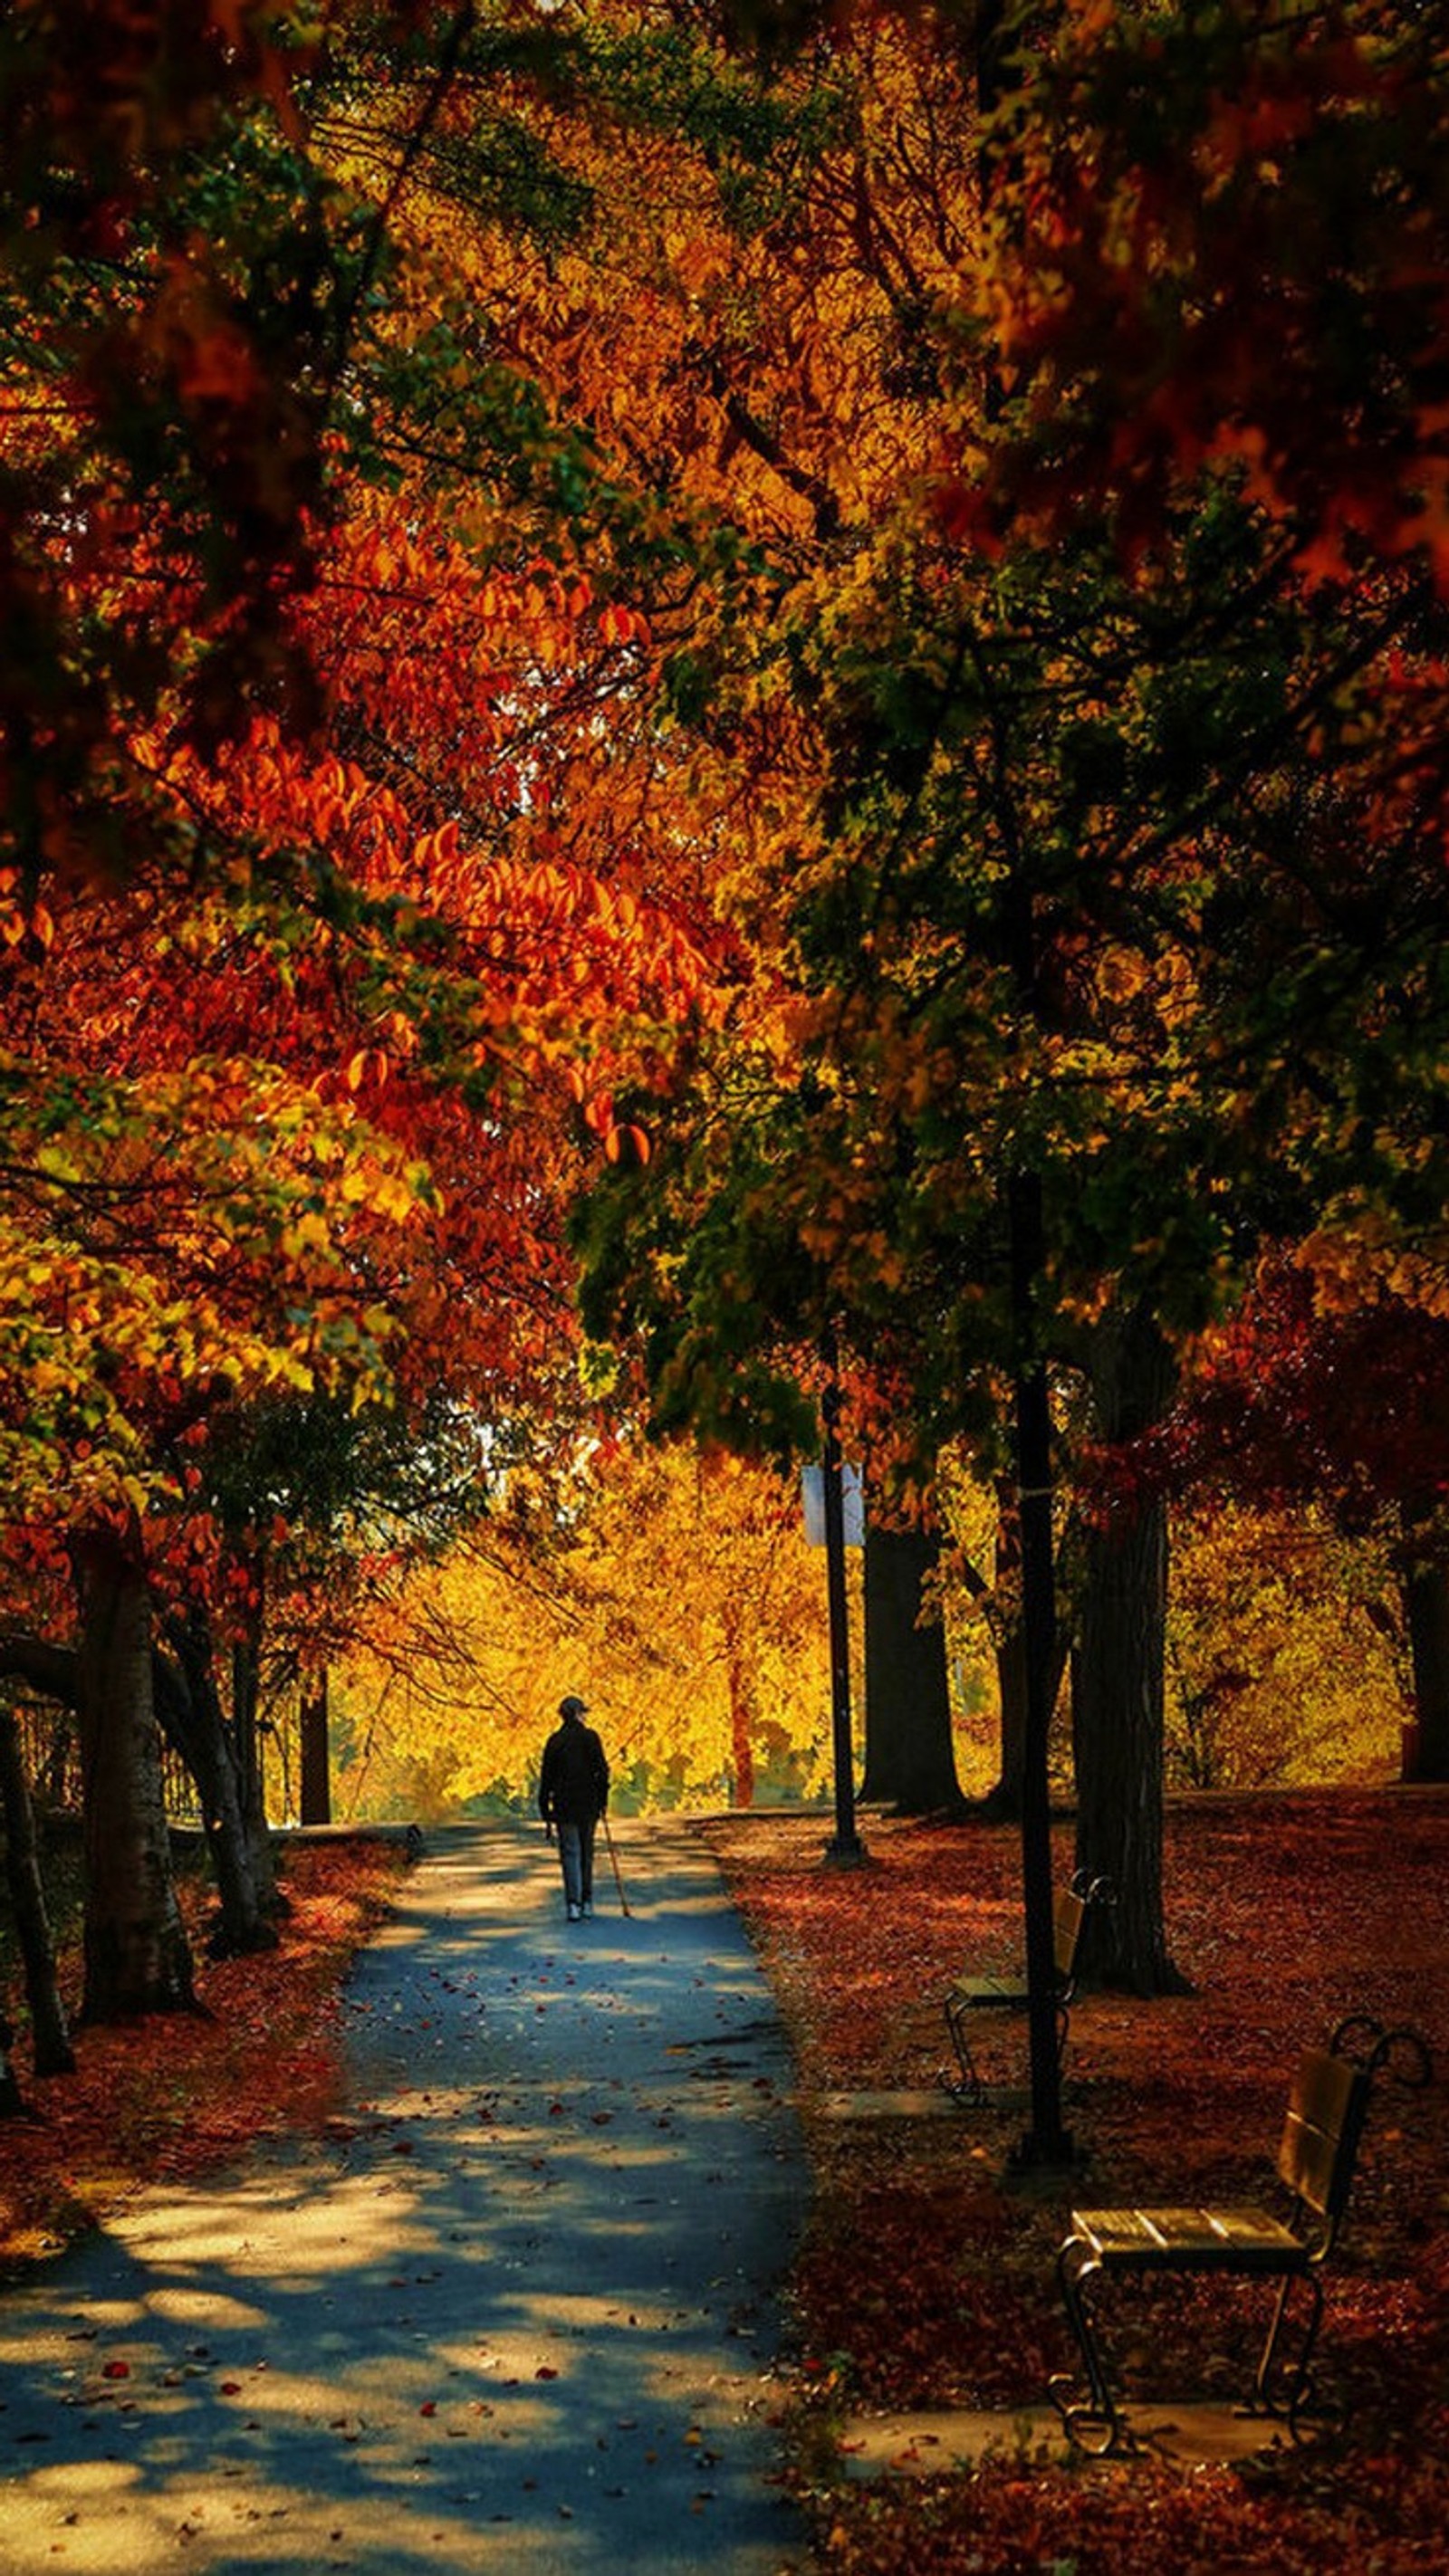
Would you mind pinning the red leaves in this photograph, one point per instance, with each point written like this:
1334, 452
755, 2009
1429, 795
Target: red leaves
1210, 185
923, 2283
175, 2096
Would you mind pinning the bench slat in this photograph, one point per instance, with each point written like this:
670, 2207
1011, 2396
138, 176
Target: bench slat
1233, 2239
1321, 2132
989, 1990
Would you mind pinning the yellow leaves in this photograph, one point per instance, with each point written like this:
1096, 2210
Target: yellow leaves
246, 1201
368, 1063
307, 1233
1354, 1266
394, 1196
1121, 973
685, 1603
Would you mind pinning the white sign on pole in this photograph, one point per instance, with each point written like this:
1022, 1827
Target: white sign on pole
852, 1497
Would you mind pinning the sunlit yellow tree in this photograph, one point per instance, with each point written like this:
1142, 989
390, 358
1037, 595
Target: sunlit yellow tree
676, 1593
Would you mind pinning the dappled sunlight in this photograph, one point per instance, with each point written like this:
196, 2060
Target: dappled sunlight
512, 2301
202, 2307
214, 2228
96, 2481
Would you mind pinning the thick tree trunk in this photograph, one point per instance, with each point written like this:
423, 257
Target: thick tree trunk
136, 1954
1118, 1706
315, 1762
191, 1712
1426, 1615
910, 1760
246, 1665
50, 2037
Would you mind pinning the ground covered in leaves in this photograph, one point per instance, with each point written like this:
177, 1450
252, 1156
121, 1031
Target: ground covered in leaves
927, 2280
179, 2093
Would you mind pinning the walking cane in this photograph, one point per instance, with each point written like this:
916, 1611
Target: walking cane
614, 1857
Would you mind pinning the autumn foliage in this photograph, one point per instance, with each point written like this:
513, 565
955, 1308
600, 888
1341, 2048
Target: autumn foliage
652, 656
926, 2279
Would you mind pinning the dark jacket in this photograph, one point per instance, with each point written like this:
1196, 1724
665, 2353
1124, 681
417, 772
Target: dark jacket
573, 1785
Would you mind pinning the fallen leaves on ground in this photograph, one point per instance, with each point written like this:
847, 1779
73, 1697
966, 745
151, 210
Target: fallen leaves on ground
926, 2280
179, 2093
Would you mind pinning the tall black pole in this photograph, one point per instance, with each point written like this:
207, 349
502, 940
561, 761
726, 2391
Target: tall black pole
1046, 2142
846, 1844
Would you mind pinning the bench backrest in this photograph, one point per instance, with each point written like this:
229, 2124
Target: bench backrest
1320, 2141
1074, 1903
1069, 1914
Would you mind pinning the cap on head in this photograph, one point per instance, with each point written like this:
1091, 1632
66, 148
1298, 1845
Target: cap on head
573, 1706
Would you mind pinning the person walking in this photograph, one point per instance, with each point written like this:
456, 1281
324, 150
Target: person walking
573, 1791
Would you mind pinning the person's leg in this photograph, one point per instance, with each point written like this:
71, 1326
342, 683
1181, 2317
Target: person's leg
586, 1863
570, 1854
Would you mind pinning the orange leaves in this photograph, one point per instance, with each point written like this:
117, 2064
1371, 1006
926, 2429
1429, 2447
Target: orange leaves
436, 852
619, 1142
20, 920
621, 625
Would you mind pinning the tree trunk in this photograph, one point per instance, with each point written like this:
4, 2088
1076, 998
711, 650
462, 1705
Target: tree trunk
316, 1781
12, 2100
191, 1712
910, 1760
246, 1663
1426, 1614
136, 1954
742, 1741
50, 2037
1002, 1802
1118, 1708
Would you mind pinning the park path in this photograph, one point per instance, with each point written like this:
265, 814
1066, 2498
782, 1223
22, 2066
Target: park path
518, 2314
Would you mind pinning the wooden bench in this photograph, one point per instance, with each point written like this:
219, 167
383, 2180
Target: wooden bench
971, 1996
1317, 2154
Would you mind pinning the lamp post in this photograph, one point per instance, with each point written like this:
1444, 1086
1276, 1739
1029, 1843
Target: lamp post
845, 1845
1046, 2143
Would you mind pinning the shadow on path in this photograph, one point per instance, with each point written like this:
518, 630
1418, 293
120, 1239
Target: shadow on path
518, 2313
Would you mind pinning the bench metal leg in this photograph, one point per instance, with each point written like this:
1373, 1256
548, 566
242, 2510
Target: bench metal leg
1094, 2421
965, 2086
968, 2084
1288, 2399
